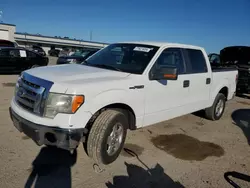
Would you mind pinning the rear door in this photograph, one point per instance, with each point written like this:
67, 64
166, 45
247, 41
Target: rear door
199, 78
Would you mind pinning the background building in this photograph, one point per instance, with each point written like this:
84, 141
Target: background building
8, 32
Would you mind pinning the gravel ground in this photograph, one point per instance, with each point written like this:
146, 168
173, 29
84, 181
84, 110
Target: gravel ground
184, 152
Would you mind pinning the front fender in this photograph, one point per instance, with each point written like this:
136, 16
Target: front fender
112, 97
134, 99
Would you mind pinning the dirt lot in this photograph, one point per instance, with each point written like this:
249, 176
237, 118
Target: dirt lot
184, 152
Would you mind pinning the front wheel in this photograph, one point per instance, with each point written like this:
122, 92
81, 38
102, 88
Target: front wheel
107, 136
216, 111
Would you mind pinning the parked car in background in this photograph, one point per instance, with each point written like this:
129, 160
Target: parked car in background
237, 57
37, 49
15, 60
64, 52
123, 86
54, 52
77, 57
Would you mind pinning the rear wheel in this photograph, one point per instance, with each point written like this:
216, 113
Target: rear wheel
216, 111
107, 136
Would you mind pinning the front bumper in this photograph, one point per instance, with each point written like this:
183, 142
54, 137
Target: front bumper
62, 138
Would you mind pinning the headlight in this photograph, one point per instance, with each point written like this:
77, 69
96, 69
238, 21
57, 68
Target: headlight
61, 103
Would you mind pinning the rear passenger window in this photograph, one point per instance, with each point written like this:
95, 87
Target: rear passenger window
196, 61
170, 57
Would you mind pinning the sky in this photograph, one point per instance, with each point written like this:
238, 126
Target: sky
212, 24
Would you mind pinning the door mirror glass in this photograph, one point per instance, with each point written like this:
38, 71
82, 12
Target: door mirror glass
164, 73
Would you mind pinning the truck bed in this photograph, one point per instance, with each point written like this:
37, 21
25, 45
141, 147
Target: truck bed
223, 69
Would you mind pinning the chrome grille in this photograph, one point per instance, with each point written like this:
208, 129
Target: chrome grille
31, 93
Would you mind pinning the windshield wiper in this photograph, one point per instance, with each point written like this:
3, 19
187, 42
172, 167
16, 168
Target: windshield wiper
85, 62
106, 66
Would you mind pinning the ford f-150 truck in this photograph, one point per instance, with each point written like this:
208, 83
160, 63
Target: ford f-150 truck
122, 87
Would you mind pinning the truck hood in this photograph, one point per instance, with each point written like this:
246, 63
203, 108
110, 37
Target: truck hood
241, 54
74, 72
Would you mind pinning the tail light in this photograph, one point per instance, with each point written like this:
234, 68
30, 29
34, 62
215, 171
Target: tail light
236, 78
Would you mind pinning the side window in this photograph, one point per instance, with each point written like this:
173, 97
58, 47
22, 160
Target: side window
14, 53
171, 57
196, 61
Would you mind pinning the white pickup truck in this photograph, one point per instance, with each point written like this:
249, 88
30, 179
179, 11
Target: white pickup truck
123, 86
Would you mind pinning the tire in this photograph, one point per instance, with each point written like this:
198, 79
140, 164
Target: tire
101, 131
210, 112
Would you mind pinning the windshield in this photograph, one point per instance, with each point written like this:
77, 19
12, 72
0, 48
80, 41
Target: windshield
131, 58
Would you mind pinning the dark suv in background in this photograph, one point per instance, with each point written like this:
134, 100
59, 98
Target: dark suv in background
17, 59
37, 49
235, 56
77, 57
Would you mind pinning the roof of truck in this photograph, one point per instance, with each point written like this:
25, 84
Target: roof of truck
164, 44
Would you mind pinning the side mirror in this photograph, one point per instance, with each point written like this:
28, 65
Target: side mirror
164, 73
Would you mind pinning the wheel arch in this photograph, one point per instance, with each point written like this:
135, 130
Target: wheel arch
126, 109
224, 91
222, 88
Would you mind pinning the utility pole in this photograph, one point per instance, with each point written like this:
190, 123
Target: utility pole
1, 16
90, 35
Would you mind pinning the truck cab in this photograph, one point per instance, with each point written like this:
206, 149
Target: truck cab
122, 87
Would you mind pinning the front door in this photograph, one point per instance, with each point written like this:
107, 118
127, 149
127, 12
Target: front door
16, 60
5, 60
166, 99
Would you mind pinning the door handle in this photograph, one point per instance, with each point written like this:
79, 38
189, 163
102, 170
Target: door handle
186, 83
208, 80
